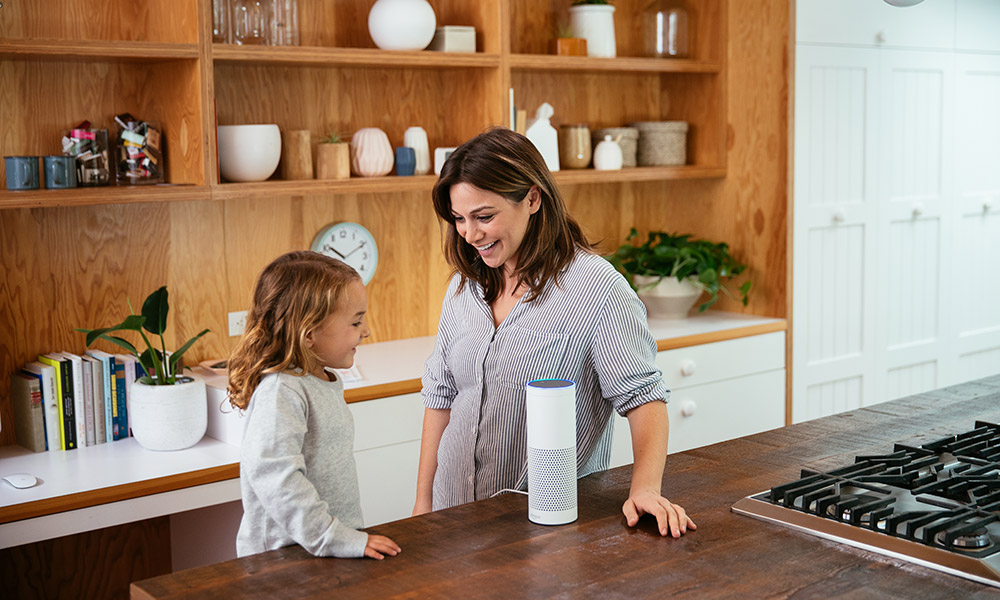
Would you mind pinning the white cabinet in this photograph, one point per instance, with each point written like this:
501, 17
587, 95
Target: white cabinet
930, 24
387, 450
718, 391
896, 209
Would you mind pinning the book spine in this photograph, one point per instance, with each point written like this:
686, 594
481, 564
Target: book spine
29, 425
88, 400
100, 437
60, 412
120, 422
68, 404
79, 400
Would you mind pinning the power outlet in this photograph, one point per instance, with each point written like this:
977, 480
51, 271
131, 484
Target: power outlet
237, 323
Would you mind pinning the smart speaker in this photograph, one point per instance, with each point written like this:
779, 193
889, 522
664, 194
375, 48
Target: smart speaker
551, 416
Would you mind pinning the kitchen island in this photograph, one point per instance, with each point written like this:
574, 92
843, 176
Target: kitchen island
489, 549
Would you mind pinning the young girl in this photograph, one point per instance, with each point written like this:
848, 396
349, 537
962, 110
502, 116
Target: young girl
297, 473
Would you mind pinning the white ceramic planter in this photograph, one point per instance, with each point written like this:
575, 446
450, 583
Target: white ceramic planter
168, 417
596, 24
668, 299
248, 152
402, 24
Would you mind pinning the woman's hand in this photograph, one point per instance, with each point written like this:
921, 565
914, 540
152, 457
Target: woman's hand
379, 545
670, 518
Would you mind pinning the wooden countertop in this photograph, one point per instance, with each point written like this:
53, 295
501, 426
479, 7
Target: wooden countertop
489, 549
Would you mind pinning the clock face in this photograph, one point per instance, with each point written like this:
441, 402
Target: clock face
350, 243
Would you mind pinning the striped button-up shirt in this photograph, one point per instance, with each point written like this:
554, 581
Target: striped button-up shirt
591, 329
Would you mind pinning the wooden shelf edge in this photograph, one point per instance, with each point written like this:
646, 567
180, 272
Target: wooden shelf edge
549, 62
89, 49
720, 336
354, 185
348, 57
578, 176
127, 491
383, 390
88, 196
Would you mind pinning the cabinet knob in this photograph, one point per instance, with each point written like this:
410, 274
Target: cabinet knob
687, 368
987, 205
688, 408
839, 216
918, 209
880, 37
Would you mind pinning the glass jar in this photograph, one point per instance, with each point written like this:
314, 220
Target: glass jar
250, 22
90, 149
222, 30
665, 29
574, 146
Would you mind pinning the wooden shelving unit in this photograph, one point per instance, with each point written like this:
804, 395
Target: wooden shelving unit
71, 257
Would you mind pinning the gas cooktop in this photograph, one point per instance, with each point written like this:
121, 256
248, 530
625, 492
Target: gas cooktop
937, 504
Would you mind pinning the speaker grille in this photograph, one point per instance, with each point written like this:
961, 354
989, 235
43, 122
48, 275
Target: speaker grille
551, 479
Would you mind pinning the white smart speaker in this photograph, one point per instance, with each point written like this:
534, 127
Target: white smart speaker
551, 417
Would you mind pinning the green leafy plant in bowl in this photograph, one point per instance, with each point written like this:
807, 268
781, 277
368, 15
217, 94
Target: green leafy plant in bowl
161, 369
706, 264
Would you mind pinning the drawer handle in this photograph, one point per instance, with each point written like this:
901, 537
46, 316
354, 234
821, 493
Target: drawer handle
688, 408
688, 367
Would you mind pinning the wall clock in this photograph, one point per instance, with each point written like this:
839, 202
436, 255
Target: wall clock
350, 243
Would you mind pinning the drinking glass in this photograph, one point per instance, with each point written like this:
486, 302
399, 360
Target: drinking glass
250, 22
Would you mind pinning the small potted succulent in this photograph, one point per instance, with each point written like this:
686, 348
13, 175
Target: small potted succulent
671, 271
566, 43
333, 158
167, 410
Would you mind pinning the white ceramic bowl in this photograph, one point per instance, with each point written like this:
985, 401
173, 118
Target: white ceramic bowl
248, 152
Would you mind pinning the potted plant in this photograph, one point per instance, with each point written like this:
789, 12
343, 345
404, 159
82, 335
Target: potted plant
594, 20
671, 271
567, 44
168, 410
333, 158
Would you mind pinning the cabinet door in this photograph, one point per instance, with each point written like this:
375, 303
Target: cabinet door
834, 223
976, 271
873, 22
914, 188
387, 450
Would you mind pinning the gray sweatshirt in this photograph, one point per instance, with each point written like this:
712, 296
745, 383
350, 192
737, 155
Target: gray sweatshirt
297, 473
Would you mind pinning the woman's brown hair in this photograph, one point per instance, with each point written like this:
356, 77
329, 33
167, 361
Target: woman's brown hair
508, 164
293, 296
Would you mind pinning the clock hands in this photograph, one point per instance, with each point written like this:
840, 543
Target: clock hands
329, 247
355, 250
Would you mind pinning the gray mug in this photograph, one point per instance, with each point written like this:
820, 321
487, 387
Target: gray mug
60, 172
22, 172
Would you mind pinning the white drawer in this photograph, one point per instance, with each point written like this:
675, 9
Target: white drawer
714, 412
705, 363
725, 410
387, 479
384, 421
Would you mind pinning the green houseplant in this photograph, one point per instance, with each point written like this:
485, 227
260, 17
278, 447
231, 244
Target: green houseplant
702, 263
166, 411
160, 368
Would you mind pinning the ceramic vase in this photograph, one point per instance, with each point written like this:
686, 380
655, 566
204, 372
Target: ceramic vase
371, 153
168, 417
405, 161
402, 24
416, 138
333, 161
596, 24
608, 155
665, 297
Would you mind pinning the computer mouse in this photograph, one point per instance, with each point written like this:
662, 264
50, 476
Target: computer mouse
20, 480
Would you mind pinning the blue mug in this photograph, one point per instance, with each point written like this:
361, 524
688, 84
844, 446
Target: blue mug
406, 161
22, 172
60, 172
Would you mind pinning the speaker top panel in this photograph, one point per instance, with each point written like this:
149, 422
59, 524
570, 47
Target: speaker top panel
551, 383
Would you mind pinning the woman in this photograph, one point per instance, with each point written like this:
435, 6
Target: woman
531, 300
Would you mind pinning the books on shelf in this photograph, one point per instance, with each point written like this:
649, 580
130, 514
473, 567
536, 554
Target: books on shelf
82, 399
29, 411
46, 375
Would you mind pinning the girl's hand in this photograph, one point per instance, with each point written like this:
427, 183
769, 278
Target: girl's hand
671, 518
379, 545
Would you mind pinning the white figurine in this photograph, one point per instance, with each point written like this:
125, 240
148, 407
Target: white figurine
543, 135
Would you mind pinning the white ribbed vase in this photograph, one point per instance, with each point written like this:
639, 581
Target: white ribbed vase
168, 417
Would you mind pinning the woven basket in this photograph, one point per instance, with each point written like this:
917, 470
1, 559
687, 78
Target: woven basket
629, 142
662, 143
